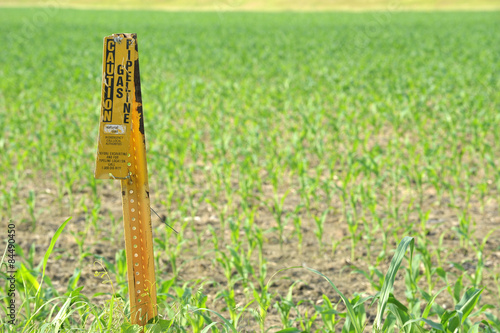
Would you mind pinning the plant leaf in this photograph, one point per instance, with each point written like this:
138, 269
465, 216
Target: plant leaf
391, 276
290, 330
49, 250
468, 302
350, 309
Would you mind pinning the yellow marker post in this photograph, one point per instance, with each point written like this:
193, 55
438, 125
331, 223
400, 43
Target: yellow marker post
121, 154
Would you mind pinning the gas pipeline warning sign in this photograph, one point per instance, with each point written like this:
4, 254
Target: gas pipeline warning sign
118, 96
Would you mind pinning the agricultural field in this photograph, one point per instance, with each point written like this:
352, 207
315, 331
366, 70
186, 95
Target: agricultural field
323, 172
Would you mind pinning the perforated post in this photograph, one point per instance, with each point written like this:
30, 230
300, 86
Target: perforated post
122, 155
137, 223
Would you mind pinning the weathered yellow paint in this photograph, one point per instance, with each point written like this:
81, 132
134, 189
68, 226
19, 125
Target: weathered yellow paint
119, 58
134, 182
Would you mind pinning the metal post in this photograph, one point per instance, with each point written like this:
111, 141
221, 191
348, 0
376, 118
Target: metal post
122, 155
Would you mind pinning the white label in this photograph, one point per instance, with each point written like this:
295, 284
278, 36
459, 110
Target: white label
114, 129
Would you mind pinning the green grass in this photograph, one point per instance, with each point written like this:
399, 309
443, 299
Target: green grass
274, 131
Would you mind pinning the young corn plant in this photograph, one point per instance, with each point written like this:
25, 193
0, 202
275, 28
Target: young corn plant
320, 226
392, 314
277, 208
284, 306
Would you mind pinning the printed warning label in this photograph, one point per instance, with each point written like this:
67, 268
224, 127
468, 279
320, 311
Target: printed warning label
118, 93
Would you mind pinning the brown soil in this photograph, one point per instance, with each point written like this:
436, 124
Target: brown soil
52, 210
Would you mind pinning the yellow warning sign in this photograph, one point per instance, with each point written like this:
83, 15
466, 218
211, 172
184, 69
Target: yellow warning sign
118, 93
122, 155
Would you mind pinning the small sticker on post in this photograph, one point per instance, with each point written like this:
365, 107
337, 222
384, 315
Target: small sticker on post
115, 129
